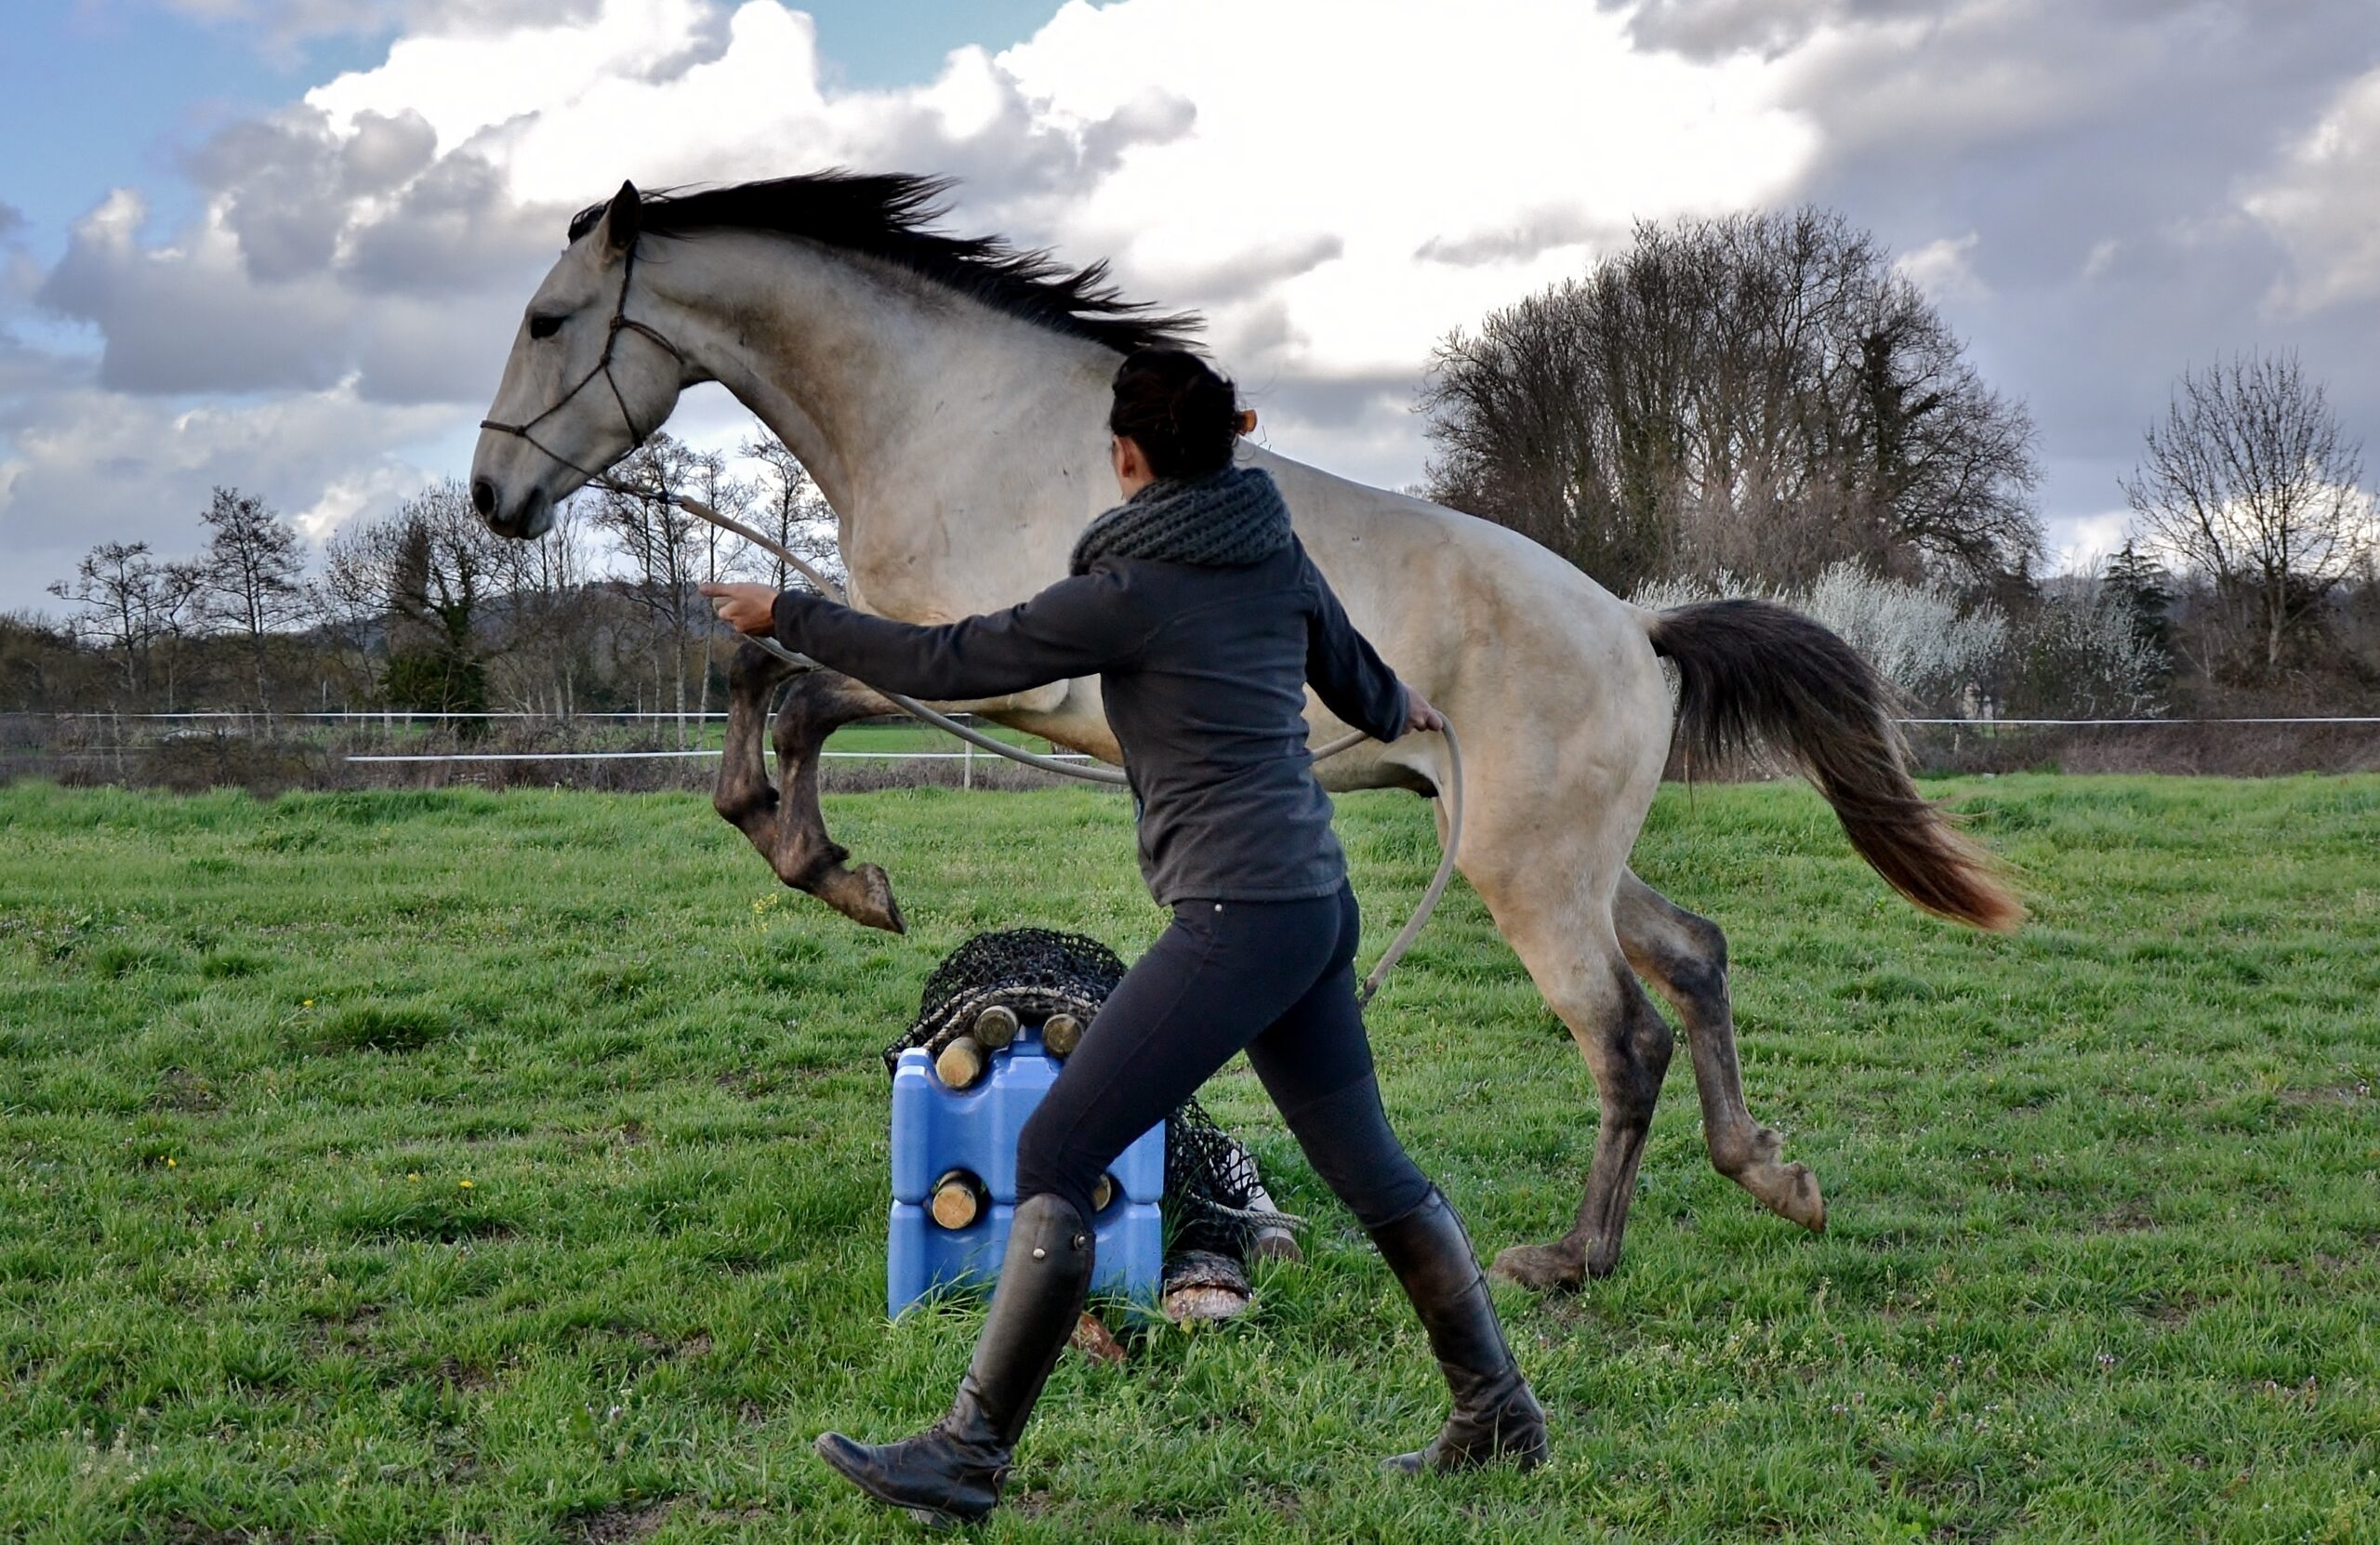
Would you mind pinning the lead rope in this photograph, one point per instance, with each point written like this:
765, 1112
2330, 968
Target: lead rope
832, 591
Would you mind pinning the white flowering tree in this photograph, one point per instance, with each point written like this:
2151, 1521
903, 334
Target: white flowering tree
2083, 651
1917, 635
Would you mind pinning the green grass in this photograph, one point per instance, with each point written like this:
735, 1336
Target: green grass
914, 737
426, 1166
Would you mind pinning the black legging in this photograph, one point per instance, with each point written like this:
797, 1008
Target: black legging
1273, 977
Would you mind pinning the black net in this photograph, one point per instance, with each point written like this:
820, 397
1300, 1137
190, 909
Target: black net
1032, 971
1212, 1198
1210, 1186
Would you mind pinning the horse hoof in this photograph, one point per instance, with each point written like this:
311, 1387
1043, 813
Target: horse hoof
1802, 1203
1791, 1192
1274, 1244
887, 909
863, 895
1540, 1268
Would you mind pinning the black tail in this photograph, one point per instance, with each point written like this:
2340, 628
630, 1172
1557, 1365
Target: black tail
1756, 672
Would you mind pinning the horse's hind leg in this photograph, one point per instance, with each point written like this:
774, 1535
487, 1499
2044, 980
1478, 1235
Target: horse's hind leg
1627, 1045
1685, 958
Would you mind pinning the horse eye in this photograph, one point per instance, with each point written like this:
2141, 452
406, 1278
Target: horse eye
544, 327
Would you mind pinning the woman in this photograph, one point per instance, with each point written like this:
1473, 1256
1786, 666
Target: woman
1204, 619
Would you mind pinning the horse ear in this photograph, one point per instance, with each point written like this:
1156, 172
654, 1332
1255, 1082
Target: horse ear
623, 218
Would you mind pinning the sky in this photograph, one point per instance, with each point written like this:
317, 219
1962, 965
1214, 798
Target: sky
283, 244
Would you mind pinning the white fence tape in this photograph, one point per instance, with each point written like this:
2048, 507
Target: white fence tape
618, 756
1069, 755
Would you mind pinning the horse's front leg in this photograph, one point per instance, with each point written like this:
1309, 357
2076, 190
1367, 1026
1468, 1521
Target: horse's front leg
785, 822
743, 797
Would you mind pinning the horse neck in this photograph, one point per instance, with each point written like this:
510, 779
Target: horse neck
956, 443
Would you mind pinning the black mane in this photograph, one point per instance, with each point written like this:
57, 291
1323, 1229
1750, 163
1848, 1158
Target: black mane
885, 216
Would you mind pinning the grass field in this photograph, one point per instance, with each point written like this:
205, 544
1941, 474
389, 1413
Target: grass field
429, 1166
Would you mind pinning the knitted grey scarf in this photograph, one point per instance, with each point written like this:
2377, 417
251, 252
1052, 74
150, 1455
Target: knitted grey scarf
1222, 521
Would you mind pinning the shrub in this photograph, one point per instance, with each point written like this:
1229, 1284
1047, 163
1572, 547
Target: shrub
2083, 654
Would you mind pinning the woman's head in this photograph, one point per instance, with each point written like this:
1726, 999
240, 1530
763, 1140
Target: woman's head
1173, 418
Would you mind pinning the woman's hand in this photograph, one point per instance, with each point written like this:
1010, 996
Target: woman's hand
1418, 715
746, 607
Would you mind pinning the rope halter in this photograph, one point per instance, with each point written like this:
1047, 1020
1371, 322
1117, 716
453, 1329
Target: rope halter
621, 323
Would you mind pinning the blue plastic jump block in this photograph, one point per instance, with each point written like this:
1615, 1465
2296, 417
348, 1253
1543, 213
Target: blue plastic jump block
922, 1258
937, 1129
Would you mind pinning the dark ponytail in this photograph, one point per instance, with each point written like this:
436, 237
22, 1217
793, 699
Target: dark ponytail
1182, 415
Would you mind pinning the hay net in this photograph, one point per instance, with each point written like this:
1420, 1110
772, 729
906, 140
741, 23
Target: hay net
1210, 1182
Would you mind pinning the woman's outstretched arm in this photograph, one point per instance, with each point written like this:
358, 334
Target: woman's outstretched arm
1077, 626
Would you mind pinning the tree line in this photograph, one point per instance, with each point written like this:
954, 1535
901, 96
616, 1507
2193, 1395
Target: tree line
1762, 403
146, 615
424, 608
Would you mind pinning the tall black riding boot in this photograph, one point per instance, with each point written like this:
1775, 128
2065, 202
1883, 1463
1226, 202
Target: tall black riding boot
951, 1473
1495, 1417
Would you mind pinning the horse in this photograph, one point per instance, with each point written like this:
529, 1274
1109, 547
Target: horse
949, 396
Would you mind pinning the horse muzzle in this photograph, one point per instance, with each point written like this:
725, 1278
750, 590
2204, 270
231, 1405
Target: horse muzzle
525, 520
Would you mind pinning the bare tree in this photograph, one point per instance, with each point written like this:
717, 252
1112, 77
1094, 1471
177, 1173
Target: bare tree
116, 585
666, 549
430, 576
2083, 646
550, 615
787, 505
43, 665
251, 573
1762, 394
432, 572
2249, 484
724, 554
179, 610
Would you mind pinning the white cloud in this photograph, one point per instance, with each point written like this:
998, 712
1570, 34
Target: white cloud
2079, 542
89, 465
356, 492
190, 316
351, 279
574, 80
1536, 123
2323, 203
1952, 74
1943, 269
285, 22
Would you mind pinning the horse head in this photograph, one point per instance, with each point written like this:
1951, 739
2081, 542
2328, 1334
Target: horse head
585, 383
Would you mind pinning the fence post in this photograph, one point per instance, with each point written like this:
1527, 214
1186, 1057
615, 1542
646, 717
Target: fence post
966, 770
